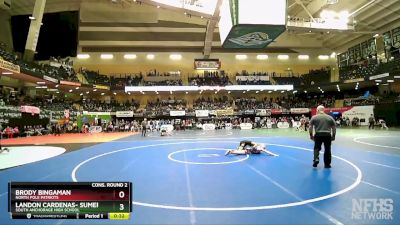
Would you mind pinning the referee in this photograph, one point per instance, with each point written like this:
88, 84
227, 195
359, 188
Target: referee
322, 130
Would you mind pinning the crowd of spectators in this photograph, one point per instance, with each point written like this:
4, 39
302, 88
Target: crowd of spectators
365, 70
212, 103
213, 78
61, 72
159, 106
318, 76
357, 71
252, 103
164, 83
306, 101
287, 80
112, 106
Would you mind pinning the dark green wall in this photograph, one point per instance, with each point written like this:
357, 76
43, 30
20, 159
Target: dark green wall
390, 112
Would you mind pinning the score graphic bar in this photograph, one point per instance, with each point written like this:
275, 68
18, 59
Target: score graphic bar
80, 200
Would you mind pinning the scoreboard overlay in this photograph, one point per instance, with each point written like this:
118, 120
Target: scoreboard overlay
70, 200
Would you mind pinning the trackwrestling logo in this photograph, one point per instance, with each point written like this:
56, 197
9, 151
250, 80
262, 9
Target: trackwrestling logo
372, 209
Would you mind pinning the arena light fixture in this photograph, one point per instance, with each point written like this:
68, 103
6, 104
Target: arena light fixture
150, 56
283, 57
187, 92
57, 85
390, 81
130, 56
81, 94
106, 56
376, 35
270, 92
83, 56
241, 57
377, 84
378, 80
262, 57
229, 92
6, 73
32, 18
303, 57
294, 92
333, 55
305, 92
257, 92
57, 92
323, 57
102, 93
95, 90
244, 92
70, 90
77, 88
87, 92
175, 56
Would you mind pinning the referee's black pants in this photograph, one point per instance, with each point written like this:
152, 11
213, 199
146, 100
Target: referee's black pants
327, 141
371, 125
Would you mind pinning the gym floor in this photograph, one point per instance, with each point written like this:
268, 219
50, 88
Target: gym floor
186, 178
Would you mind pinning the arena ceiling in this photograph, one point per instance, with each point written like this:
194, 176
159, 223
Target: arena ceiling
141, 26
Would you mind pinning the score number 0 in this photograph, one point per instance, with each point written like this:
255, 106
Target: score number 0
121, 194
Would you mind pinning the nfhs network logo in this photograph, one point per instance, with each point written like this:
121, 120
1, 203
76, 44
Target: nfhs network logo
372, 209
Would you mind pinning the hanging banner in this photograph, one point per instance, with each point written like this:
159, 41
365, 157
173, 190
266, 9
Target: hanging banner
96, 113
224, 112
299, 110
50, 79
276, 111
283, 125
201, 113
361, 112
177, 113
9, 66
124, 113
30, 109
246, 126
102, 87
330, 110
70, 83
379, 76
263, 112
95, 129
208, 126
249, 112
253, 78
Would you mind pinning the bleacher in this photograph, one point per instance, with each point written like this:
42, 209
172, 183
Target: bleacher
296, 81
316, 77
